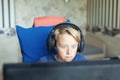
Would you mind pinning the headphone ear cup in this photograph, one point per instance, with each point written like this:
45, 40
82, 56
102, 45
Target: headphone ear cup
81, 45
50, 42
78, 49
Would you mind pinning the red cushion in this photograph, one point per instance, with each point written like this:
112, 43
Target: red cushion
48, 20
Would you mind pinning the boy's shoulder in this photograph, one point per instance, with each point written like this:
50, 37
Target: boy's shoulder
80, 57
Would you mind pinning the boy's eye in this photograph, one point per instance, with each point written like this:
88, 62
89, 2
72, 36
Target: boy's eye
63, 47
74, 46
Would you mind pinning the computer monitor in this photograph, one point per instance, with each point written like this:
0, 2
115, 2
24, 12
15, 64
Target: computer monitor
87, 70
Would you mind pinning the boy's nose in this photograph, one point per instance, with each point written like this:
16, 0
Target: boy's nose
68, 50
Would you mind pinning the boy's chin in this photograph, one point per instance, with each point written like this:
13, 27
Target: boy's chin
67, 60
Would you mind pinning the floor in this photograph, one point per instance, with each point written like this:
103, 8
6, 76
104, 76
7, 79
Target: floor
1, 76
8, 51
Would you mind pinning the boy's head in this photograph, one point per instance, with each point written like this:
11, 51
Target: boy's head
66, 43
67, 29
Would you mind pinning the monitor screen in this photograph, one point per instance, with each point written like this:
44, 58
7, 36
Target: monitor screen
87, 70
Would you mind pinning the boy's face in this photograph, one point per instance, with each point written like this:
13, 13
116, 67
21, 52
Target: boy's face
66, 48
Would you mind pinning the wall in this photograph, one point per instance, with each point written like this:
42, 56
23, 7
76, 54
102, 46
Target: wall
27, 10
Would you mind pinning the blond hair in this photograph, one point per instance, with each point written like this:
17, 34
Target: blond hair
74, 33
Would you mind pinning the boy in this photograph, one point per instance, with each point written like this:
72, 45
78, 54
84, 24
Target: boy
68, 41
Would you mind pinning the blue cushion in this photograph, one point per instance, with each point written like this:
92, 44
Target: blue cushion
33, 42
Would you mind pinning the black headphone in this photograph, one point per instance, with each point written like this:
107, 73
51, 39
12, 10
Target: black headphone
51, 37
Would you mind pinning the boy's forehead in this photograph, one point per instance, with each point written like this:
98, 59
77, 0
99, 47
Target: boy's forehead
66, 38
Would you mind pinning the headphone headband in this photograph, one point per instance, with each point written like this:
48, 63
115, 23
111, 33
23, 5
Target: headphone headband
66, 25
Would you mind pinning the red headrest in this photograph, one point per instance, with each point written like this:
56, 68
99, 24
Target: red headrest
48, 20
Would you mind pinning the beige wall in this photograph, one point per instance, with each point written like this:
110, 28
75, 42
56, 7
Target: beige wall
27, 10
